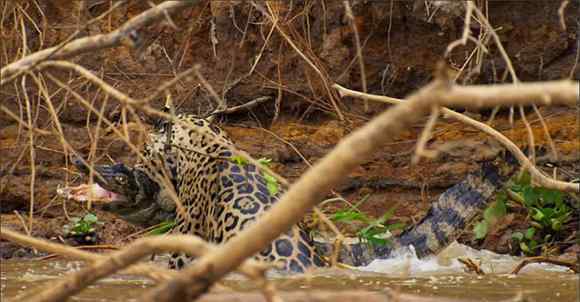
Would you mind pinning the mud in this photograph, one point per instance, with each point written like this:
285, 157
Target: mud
401, 45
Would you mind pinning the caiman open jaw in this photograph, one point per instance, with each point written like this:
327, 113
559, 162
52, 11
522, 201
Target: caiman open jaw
115, 178
124, 191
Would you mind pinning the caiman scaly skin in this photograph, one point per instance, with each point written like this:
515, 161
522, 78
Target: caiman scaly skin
444, 221
223, 196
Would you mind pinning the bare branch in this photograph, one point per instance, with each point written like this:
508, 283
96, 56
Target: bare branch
561, 92
96, 42
536, 174
245, 106
359, 55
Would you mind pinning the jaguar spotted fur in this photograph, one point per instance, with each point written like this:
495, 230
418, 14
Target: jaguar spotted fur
222, 196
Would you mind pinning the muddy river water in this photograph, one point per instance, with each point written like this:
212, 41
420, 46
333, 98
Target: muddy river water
441, 276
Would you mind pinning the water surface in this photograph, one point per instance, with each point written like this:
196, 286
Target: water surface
441, 276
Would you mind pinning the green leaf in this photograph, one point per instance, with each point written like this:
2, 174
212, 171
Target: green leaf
369, 231
90, 218
518, 236
480, 230
395, 226
271, 184
525, 179
556, 224
348, 216
264, 161
377, 241
548, 213
163, 228
239, 160
524, 247
538, 214
551, 196
494, 212
530, 232
530, 196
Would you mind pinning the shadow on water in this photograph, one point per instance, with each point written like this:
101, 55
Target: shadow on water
442, 276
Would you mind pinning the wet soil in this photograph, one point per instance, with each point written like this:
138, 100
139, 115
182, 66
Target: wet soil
401, 44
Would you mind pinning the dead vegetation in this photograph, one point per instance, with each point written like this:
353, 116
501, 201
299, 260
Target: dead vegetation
40, 82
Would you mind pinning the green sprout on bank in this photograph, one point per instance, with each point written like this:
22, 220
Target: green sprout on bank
82, 226
162, 228
271, 182
375, 230
546, 211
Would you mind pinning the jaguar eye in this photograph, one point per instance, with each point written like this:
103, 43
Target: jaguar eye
121, 179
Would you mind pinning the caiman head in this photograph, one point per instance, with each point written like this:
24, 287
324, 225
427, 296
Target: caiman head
137, 197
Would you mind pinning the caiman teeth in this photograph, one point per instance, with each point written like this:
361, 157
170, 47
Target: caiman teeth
86, 192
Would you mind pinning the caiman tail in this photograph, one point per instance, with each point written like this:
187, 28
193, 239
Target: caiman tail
442, 224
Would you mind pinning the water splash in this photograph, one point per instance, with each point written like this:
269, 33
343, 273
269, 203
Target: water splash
405, 262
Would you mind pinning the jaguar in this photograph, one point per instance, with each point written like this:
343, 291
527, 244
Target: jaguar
191, 159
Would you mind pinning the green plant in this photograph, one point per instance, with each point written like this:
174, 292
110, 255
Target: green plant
491, 215
375, 230
162, 228
271, 182
547, 212
82, 226
545, 208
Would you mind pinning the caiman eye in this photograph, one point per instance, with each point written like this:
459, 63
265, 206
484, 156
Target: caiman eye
121, 179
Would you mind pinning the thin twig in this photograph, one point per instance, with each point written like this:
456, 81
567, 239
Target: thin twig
95, 42
54, 50
221, 103
359, 55
561, 13
421, 149
466, 29
32, 156
245, 106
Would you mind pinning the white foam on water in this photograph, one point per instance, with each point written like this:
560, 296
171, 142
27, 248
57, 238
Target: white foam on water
405, 262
